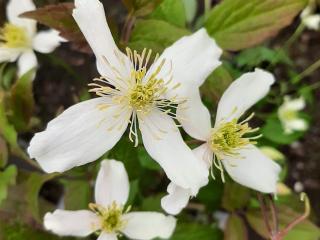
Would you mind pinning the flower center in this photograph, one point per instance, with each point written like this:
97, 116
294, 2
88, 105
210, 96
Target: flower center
229, 137
141, 91
288, 115
13, 36
111, 217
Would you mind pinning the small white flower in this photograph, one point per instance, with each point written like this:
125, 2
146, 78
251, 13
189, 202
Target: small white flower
19, 39
130, 95
288, 114
310, 20
108, 217
227, 145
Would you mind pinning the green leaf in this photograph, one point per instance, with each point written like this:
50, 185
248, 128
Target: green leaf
274, 132
216, 84
305, 230
191, 7
77, 194
239, 24
21, 102
146, 161
152, 203
235, 196
3, 153
235, 229
140, 8
254, 57
32, 186
7, 178
155, 35
134, 190
192, 231
211, 195
171, 11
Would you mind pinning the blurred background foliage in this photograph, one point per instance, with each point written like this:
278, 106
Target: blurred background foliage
253, 33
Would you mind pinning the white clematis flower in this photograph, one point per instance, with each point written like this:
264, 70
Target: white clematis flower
19, 39
108, 216
309, 19
227, 145
129, 94
288, 114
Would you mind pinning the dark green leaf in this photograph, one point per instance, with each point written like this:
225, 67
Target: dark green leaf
155, 35
146, 161
192, 231
152, 203
239, 24
141, 8
171, 11
235, 196
3, 153
77, 194
7, 178
235, 229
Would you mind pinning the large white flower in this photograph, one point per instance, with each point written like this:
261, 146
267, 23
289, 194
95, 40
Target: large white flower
19, 39
108, 217
130, 95
227, 145
288, 114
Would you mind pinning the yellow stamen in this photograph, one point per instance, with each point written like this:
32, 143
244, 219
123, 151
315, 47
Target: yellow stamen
13, 36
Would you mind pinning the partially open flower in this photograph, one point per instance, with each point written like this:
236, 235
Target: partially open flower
229, 145
309, 18
288, 114
19, 39
131, 95
108, 217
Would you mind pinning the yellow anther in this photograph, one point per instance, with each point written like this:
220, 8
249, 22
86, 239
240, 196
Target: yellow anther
13, 36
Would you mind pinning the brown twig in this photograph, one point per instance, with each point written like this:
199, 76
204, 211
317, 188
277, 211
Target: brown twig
127, 28
264, 213
274, 215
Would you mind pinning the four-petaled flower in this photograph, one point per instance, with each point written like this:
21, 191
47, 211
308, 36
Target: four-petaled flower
229, 144
108, 217
130, 93
19, 39
288, 114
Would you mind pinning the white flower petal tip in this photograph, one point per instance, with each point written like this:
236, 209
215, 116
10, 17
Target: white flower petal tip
112, 184
81, 134
71, 223
243, 93
47, 41
149, 225
253, 169
176, 200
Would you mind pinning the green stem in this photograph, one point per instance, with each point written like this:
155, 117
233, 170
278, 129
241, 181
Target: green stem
207, 7
313, 67
294, 36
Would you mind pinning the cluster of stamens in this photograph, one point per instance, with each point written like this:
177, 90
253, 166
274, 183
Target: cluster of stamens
228, 138
13, 36
111, 220
142, 91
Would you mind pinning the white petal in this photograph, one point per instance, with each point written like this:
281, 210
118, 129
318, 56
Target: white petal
47, 41
17, 7
178, 197
296, 104
72, 223
9, 54
26, 62
192, 59
296, 124
243, 93
112, 184
312, 22
107, 236
195, 117
176, 200
164, 143
149, 225
80, 135
253, 169
90, 16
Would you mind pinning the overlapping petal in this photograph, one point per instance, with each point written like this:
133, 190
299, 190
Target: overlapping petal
107, 236
148, 225
17, 7
243, 93
91, 18
26, 62
164, 143
112, 184
47, 41
253, 169
80, 135
9, 54
72, 223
